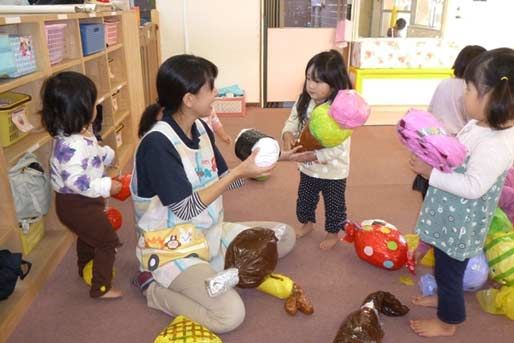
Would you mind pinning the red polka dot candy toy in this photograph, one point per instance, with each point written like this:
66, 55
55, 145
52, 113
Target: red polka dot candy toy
379, 243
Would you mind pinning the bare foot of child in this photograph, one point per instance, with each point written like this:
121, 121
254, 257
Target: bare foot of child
428, 301
304, 230
432, 328
113, 293
329, 241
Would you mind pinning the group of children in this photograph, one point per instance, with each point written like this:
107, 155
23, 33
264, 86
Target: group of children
477, 106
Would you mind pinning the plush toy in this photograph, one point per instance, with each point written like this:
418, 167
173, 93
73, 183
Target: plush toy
364, 324
249, 139
298, 301
475, 276
114, 217
277, 285
184, 330
498, 302
124, 193
499, 250
379, 243
506, 202
424, 135
87, 273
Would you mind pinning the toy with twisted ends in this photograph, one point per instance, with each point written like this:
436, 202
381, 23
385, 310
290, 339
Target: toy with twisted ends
331, 124
424, 135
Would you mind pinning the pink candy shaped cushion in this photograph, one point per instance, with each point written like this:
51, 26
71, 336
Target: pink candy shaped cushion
349, 109
425, 136
507, 197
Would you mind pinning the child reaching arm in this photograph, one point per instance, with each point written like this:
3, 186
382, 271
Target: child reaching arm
325, 75
77, 173
458, 207
215, 124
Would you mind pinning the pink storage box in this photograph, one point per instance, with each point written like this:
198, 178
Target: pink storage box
111, 32
55, 40
234, 107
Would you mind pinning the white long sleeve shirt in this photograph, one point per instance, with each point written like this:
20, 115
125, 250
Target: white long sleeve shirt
491, 154
333, 163
77, 166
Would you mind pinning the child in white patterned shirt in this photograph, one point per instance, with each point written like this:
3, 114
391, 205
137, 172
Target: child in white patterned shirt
77, 173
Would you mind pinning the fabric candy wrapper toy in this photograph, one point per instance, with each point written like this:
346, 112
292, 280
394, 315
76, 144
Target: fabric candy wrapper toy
499, 250
364, 325
87, 273
498, 302
507, 196
379, 243
115, 218
249, 139
475, 276
124, 193
331, 124
184, 330
425, 136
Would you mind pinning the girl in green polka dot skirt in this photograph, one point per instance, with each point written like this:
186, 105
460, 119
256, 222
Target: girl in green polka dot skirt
458, 207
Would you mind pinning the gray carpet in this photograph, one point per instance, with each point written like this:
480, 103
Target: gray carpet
337, 280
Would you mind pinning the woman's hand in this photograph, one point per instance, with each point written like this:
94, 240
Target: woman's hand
420, 167
293, 155
288, 140
248, 168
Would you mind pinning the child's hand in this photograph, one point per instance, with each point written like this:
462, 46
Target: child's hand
420, 167
288, 140
293, 155
115, 187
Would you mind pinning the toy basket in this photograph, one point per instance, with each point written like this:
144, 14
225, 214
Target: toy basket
12, 107
235, 106
55, 39
111, 32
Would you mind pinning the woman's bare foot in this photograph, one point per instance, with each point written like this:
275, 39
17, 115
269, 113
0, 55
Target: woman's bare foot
113, 293
329, 241
428, 301
304, 230
432, 328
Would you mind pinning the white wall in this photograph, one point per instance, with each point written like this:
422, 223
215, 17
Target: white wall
227, 32
488, 23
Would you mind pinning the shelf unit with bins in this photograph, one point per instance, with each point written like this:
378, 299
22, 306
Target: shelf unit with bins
118, 89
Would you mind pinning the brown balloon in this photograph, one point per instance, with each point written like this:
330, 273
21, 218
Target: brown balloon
387, 304
254, 253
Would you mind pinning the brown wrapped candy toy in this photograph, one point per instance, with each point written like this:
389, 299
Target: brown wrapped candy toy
363, 325
308, 141
254, 253
298, 301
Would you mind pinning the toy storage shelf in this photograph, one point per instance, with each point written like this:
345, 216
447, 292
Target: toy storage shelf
108, 69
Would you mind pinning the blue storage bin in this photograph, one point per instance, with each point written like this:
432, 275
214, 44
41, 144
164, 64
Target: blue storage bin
24, 55
92, 37
7, 63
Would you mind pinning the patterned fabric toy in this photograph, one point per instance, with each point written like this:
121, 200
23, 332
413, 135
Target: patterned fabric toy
425, 136
184, 330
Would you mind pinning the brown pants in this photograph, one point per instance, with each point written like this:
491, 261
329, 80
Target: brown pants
96, 240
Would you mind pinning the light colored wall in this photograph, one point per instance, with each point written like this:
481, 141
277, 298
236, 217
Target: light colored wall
487, 23
227, 32
289, 50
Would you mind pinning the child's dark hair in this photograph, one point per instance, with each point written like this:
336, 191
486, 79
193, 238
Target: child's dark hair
177, 76
328, 67
492, 72
465, 56
68, 103
400, 23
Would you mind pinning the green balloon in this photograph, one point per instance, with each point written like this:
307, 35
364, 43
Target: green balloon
325, 129
500, 222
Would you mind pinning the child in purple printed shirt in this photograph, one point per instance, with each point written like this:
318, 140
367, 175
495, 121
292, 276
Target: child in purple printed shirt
77, 167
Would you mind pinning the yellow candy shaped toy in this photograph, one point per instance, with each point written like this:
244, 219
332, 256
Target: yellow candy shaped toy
277, 285
87, 273
184, 330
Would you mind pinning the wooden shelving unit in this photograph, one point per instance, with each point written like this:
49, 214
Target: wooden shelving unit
118, 90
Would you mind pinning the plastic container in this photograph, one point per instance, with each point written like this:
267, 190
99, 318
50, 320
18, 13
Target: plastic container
55, 39
92, 36
111, 32
24, 55
12, 108
31, 233
226, 106
7, 64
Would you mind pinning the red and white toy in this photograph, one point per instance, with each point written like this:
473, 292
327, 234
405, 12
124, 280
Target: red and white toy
379, 243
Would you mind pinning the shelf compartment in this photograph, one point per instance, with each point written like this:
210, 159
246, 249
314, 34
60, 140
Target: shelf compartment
31, 143
96, 69
68, 64
71, 45
117, 68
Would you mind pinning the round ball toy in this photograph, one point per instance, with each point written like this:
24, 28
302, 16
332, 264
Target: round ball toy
114, 217
124, 193
87, 273
250, 139
476, 273
349, 109
378, 243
